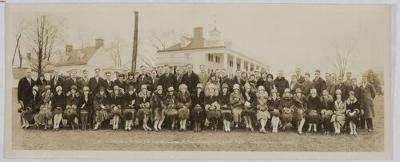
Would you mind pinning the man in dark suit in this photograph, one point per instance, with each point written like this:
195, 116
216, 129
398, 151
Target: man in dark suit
190, 78
168, 79
319, 83
95, 82
108, 83
144, 77
154, 80
367, 96
25, 85
84, 80
55, 81
73, 80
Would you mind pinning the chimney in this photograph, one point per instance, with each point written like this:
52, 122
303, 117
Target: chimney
68, 49
198, 32
99, 42
198, 40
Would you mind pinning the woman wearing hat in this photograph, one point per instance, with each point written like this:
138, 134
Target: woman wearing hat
249, 112
143, 103
287, 109
226, 110
338, 117
131, 81
70, 113
170, 110
41, 82
197, 112
326, 111
236, 100
313, 109
117, 101
32, 108
274, 107
299, 102
129, 109
101, 104
183, 101
157, 107
44, 115
58, 104
85, 107
212, 106
262, 108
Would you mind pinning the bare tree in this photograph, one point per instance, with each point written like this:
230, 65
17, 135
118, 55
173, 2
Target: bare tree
44, 36
18, 48
343, 55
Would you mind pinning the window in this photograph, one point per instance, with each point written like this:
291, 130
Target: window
217, 59
230, 63
210, 57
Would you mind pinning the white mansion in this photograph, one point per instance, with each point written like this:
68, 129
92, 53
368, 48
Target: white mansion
211, 52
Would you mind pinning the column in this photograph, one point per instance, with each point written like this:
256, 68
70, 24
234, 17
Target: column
241, 64
226, 61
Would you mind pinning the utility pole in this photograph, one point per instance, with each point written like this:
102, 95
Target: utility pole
135, 42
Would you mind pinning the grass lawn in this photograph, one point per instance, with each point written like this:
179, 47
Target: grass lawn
237, 140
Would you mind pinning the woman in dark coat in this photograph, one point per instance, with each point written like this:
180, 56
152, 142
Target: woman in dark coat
287, 109
70, 112
274, 104
170, 110
129, 109
58, 105
157, 107
249, 109
352, 112
313, 109
212, 106
299, 102
183, 102
101, 105
85, 107
117, 101
326, 110
143, 103
197, 112
269, 84
281, 83
41, 82
31, 108
226, 111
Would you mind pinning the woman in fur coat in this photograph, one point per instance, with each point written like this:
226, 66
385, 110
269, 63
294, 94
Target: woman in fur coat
143, 103
299, 102
70, 113
352, 112
212, 105
157, 107
274, 104
287, 109
129, 110
226, 110
58, 105
101, 104
236, 100
326, 110
117, 101
249, 109
313, 109
197, 112
262, 108
44, 116
170, 106
183, 102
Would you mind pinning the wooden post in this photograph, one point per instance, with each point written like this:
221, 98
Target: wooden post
135, 42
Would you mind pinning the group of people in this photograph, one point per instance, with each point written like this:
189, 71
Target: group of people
157, 98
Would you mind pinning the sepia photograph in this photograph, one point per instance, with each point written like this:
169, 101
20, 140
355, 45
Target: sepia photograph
198, 81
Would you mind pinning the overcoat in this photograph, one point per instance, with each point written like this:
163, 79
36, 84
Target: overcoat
367, 95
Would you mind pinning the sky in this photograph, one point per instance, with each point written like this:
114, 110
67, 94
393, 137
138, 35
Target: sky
282, 36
